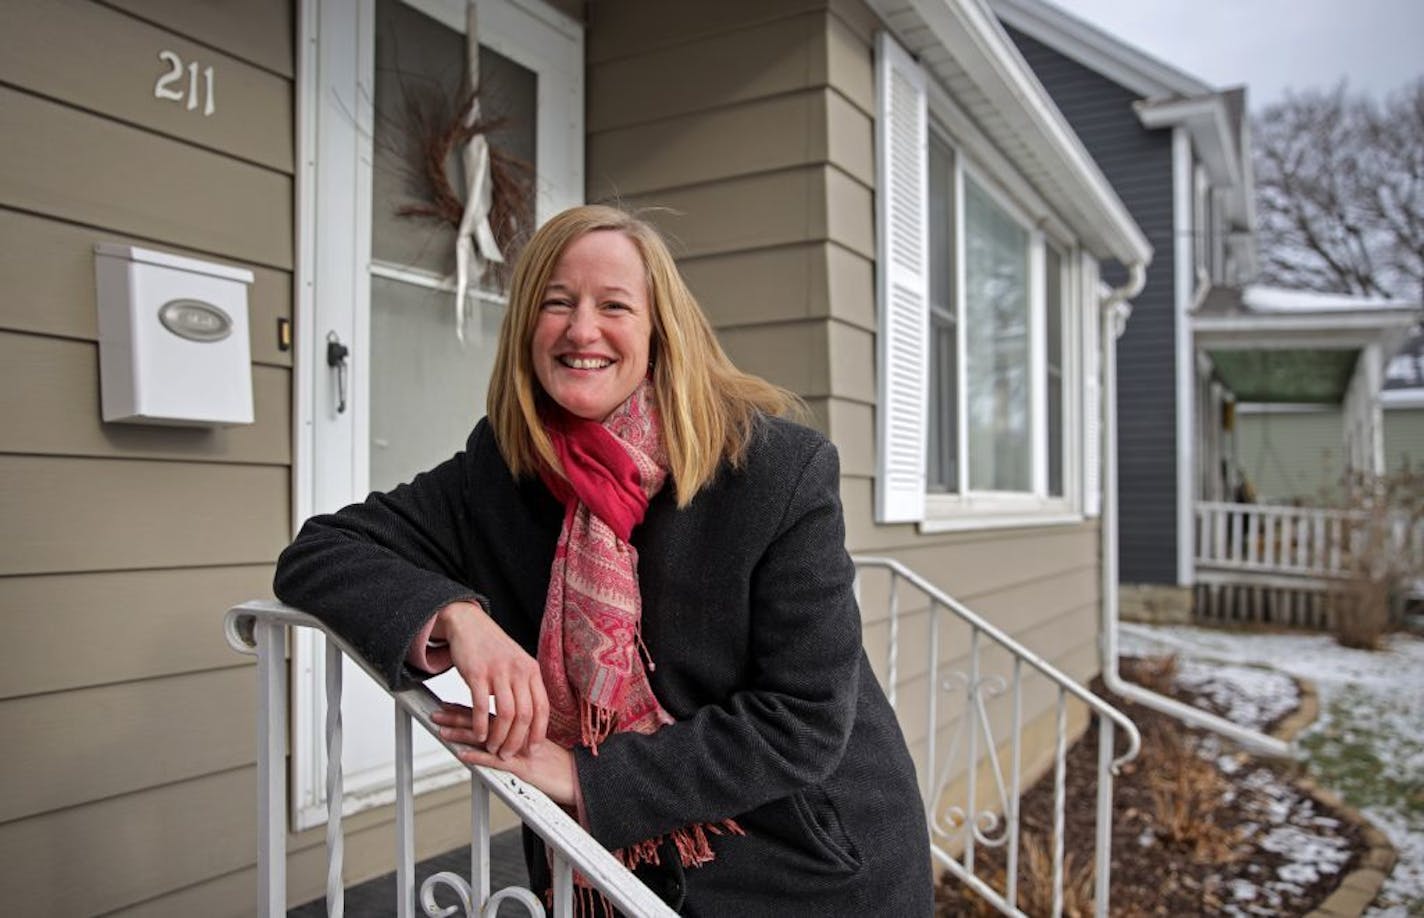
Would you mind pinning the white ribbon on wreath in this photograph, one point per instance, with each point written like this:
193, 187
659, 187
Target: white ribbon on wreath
475, 244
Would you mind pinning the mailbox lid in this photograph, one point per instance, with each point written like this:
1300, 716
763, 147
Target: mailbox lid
168, 260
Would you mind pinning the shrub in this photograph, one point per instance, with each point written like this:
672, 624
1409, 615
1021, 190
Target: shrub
1382, 555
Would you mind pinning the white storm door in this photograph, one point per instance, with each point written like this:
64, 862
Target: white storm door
385, 73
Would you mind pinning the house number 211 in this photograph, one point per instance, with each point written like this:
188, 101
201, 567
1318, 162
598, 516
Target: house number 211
170, 84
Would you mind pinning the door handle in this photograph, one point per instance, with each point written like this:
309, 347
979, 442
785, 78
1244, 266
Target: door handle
336, 354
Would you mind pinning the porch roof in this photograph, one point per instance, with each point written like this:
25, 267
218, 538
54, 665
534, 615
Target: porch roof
1274, 345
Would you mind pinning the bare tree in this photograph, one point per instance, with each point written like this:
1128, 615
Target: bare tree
1340, 192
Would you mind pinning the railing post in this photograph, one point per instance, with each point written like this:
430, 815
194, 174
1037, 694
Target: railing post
1011, 868
972, 745
479, 842
271, 643
563, 887
335, 839
405, 816
932, 736
1060, 795
892, 675
1102, 857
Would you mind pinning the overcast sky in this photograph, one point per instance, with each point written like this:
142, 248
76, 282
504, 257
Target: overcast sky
1273, 45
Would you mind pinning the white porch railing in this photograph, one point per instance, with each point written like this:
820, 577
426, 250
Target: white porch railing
1276, 564
260, 628
950, 783
1306, 542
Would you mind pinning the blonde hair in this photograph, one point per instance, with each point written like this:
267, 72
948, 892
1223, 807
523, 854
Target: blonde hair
708, 407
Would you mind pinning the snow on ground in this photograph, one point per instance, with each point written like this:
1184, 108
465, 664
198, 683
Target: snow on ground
1368, 743
1248, 695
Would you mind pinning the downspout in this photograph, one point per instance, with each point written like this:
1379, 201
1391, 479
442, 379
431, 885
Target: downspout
1115, 310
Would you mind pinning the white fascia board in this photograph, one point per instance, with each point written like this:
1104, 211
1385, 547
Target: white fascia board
1284, 331
979, 45
1402, 398
1206, 119
1097, 50
1284, 408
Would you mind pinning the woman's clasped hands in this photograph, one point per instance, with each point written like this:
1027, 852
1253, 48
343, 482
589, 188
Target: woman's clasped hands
494, 666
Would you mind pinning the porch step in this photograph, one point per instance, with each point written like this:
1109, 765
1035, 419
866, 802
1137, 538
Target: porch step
376, 898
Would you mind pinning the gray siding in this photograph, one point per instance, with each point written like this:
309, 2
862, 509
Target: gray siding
1138, 163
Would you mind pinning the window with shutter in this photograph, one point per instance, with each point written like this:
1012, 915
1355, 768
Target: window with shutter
988, 392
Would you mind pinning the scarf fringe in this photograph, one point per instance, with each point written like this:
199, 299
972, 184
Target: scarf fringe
596, 724
694, 848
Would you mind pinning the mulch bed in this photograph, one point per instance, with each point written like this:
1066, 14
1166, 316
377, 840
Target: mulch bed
1198, 829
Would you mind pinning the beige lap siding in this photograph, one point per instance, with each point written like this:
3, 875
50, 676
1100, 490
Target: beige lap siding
131, 771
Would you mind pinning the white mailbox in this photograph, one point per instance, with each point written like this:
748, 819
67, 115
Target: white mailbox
173, 339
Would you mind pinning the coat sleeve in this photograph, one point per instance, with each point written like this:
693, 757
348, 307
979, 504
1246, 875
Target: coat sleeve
375, 572
788, 727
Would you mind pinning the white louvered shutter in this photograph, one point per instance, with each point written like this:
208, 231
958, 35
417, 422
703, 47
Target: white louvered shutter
1092, 389
902, 284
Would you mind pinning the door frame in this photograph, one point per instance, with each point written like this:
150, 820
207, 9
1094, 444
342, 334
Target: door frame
330, 462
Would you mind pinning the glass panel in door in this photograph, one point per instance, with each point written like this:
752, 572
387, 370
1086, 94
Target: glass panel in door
425, 387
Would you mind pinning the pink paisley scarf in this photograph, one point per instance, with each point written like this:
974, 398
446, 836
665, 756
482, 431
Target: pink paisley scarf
590, 640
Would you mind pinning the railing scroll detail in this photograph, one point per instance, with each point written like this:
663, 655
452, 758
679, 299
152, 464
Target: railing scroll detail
995, 821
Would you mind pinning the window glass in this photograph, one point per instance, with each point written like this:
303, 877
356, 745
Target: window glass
942, 456
996, 329
1053, 377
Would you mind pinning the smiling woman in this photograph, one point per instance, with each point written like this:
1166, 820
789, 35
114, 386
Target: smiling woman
680, 665
590, 347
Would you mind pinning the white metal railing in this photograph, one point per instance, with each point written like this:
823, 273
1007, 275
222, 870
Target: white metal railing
949, 785
261, 627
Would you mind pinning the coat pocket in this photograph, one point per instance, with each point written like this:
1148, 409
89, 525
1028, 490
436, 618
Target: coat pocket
822, 824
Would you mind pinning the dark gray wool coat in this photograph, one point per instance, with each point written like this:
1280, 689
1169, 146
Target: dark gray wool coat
749, 616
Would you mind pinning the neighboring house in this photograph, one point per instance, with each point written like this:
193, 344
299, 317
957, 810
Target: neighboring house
1403, 400
280, 147
1178, 152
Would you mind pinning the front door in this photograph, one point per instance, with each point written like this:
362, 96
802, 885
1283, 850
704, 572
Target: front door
390, 385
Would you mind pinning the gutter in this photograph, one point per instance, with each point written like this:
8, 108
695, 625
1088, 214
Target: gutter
1115, 311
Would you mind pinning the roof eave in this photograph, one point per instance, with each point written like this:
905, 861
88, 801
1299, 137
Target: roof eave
1206, 119
971, 34
1284, 329
1097, 50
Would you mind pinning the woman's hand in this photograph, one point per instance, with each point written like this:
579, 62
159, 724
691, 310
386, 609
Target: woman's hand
493, 665
549, 766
